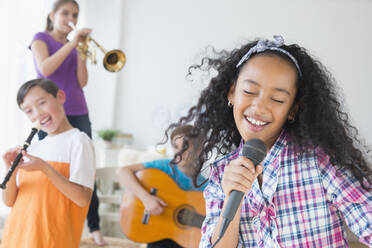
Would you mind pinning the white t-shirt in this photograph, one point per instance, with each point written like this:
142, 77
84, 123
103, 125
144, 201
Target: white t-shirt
72, 147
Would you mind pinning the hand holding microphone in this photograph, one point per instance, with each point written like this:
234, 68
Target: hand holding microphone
239, 175
238, 178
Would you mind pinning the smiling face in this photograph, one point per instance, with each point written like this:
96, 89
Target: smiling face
63, 15
263, 97
43, 107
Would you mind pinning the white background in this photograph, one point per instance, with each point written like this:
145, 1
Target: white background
163, 38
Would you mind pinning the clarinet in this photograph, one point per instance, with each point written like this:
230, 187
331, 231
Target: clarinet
18, 158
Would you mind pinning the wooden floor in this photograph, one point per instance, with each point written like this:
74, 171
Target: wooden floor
124, 243
111, 243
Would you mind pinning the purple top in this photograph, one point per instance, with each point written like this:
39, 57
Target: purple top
65, 76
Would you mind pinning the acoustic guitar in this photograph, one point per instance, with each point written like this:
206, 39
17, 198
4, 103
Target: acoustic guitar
180, 221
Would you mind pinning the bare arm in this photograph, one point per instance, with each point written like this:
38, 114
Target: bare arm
128, 179
49, 64
11, 191
79, 194
231, 236
82, 72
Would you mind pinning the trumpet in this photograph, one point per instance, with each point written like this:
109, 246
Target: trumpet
113, 61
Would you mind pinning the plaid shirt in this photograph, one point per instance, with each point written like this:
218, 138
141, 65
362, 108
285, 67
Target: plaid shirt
300, 204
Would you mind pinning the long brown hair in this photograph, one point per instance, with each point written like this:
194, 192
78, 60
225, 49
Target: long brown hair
56, 6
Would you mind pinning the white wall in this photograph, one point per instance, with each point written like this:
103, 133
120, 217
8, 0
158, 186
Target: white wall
105, 20
162, 38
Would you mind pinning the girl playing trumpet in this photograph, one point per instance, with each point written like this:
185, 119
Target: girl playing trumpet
56, 58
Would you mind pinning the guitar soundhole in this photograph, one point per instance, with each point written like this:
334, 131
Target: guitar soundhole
182, 216
185, 217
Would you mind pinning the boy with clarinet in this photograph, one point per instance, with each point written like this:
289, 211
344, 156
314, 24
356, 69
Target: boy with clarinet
18, 158
52, 185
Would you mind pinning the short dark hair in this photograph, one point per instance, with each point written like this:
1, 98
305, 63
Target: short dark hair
43, 83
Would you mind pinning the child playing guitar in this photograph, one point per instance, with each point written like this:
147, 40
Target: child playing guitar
178, 169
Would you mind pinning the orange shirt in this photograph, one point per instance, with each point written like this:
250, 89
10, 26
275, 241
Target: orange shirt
43, 217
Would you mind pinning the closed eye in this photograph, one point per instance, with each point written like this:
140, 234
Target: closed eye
275, 100
249, 92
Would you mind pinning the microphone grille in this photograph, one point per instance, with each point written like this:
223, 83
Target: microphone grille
254, 150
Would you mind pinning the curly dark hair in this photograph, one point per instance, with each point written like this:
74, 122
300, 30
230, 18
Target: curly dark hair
320, 120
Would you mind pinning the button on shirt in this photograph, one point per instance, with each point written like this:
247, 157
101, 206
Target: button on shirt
299, 205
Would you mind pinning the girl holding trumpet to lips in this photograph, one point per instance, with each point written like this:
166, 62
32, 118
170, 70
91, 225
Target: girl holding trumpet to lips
56, 58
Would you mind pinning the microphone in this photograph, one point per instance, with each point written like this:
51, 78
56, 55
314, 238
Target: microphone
254, 150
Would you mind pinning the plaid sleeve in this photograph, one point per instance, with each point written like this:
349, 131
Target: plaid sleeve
214, 199
347, 195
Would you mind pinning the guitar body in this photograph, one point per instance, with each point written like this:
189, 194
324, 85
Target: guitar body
180, 221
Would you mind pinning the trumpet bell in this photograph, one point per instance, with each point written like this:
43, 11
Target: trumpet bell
114, 60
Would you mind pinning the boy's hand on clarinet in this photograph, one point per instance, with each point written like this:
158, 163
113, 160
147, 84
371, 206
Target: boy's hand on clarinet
10, 155
33, 163
81, 35
153, 204
239, 175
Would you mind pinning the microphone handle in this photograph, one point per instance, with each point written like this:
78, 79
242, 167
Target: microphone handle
231, 207
232, 204
254, 150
